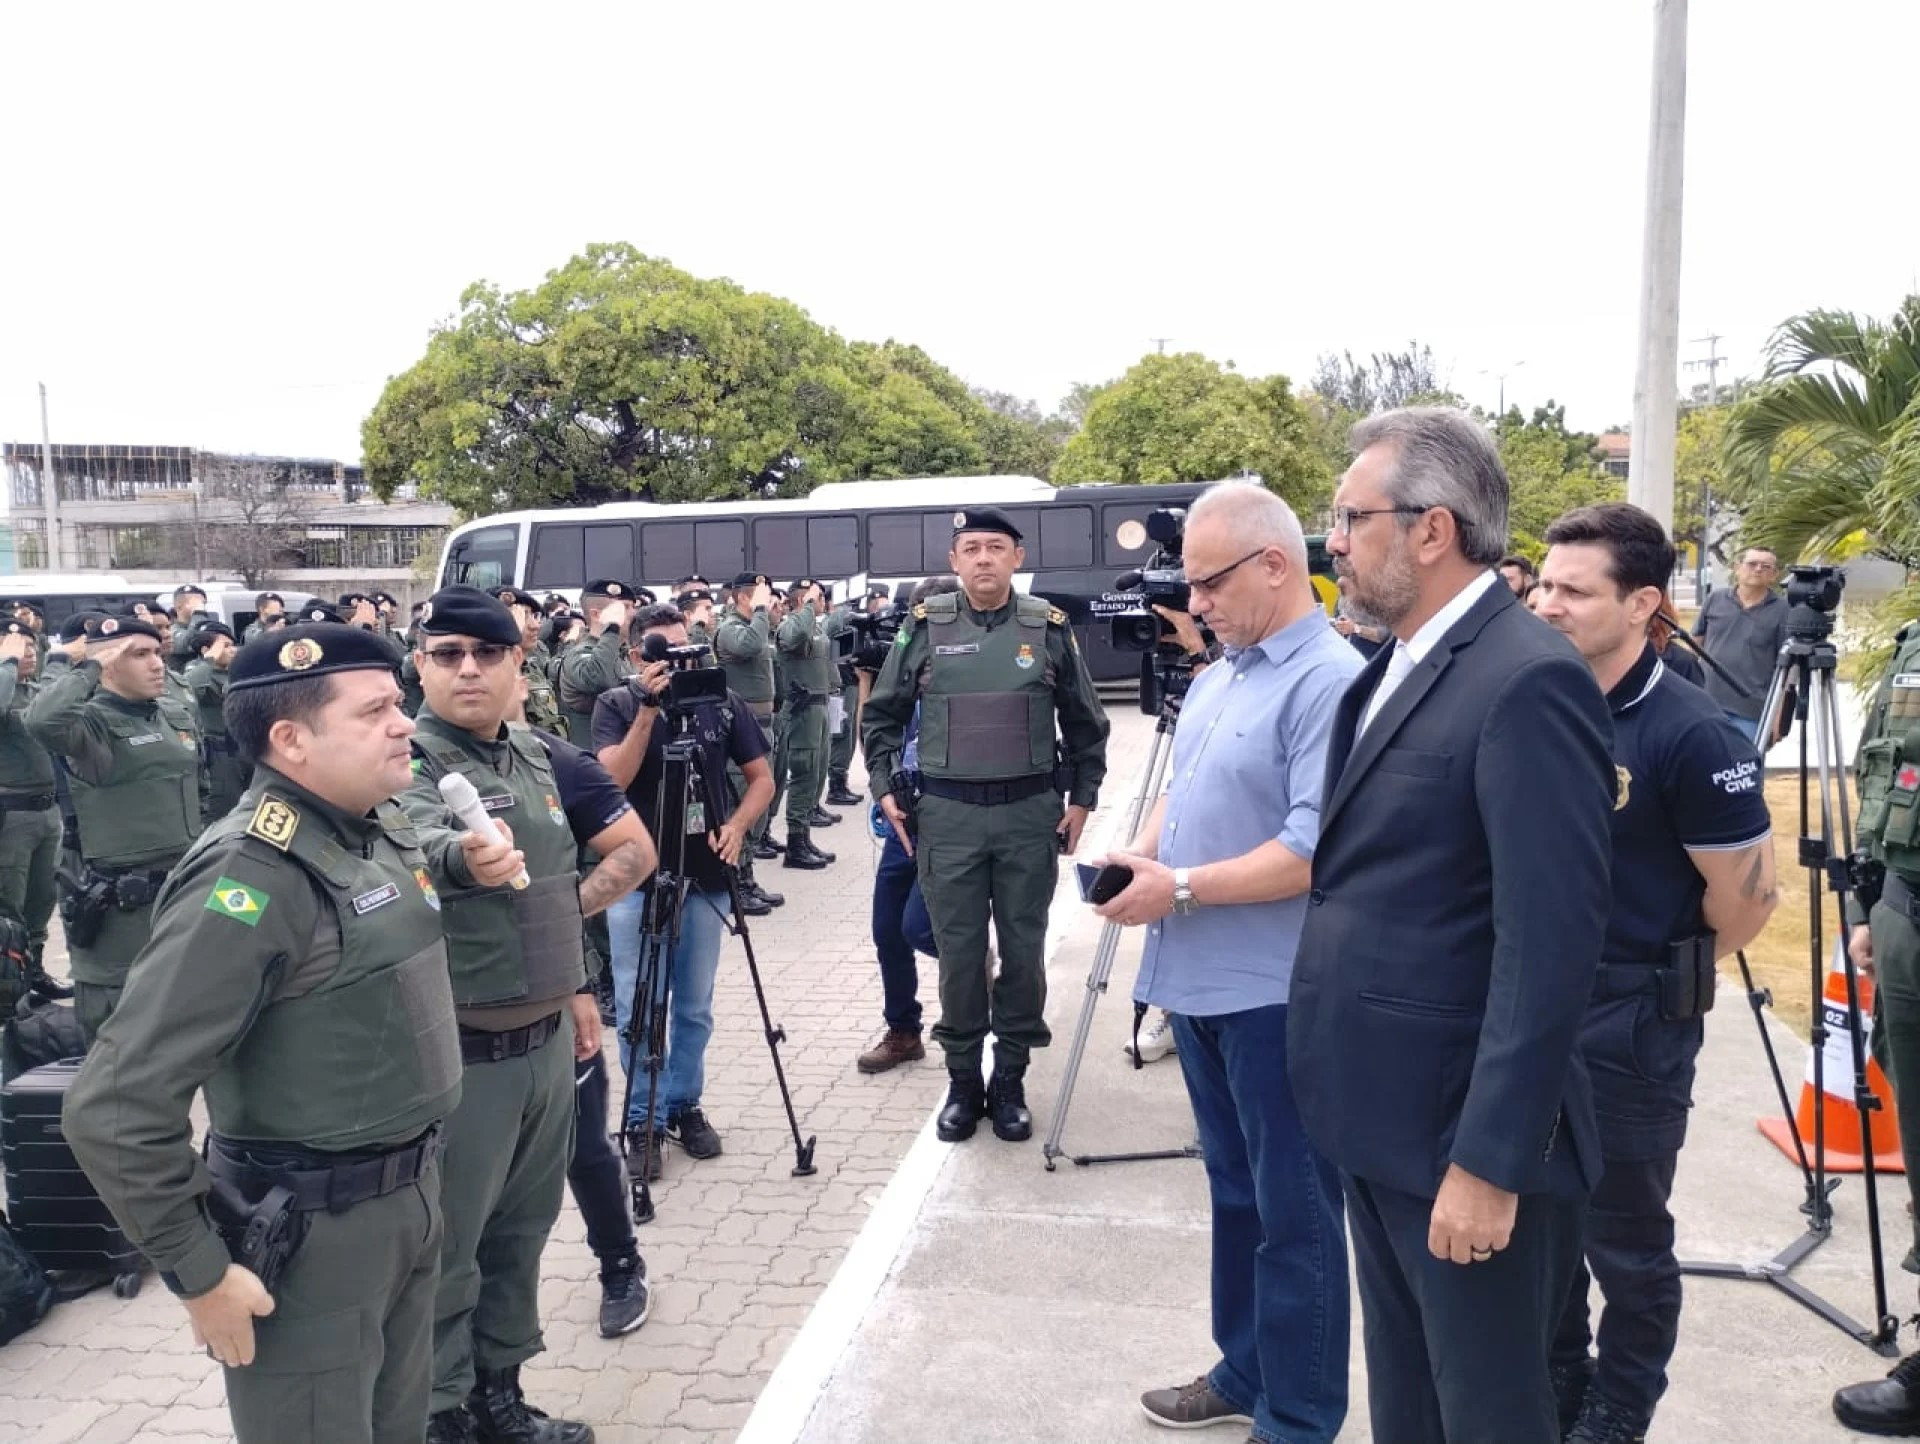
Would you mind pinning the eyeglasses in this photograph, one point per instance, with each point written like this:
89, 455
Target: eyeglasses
487, 654
1345, 516
1212, 583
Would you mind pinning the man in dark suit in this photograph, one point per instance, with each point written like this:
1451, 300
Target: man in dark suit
1459, 899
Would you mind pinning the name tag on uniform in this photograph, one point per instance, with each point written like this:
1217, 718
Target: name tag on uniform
498, 804
1907, 679
958, 650
143, 739
378, 898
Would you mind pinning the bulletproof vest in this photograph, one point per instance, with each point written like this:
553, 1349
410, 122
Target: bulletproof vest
227, 775
209, 686
1887, 766
543, 707
505, 944
986, 696
812, 666
367, 1053
751, 677
25, 765
147, 811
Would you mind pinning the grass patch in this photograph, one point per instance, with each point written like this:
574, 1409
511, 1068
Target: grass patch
1778, 956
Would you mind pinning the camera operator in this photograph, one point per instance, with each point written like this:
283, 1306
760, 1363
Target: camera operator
1220, 872
1743, 628
743, 646
1693, 880
630, 737
1884, 938
901, 927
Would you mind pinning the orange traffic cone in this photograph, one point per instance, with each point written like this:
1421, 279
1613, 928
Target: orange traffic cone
1844, 1144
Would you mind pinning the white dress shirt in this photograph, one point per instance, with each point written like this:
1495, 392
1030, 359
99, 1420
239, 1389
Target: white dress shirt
1410, 653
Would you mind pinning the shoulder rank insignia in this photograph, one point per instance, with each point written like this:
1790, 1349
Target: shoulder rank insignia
1057, 617
274, 822
920, 611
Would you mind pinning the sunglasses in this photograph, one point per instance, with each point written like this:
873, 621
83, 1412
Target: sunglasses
487, 654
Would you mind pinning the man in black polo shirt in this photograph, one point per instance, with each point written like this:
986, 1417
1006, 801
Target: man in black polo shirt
630, 734
1693, 879
1742, 627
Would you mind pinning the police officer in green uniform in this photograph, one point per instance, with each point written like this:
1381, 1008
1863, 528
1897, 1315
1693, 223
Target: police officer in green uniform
132, 752
743, 645
598, 661
518, 976
846, 687
297, 973
1885, 940
29, 820
808, 655
270, 611
990, 669
542, 705
695, 602
226, 771
767, 848
188, 603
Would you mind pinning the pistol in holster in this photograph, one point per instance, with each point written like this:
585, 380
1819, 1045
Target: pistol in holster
262, 1236
1687, 982
907, 796
84, 906
1867, 876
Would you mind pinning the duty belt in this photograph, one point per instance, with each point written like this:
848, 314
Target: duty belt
134, 887
988, 794
318, 1180
28, 802
477, 1045
799, 701
1898, 894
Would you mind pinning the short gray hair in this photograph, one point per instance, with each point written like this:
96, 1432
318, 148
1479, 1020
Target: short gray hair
1249, 510
1443, 457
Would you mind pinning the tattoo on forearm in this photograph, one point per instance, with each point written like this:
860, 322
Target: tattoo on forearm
1757, 883
618, 874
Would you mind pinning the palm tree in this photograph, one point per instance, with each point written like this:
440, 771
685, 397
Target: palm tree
1823, 456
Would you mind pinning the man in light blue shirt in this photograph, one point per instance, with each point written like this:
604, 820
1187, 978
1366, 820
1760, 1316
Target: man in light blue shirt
1220, 881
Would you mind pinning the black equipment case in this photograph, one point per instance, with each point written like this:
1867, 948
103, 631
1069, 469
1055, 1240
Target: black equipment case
50, 1202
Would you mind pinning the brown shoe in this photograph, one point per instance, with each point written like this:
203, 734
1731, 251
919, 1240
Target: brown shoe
898, 1046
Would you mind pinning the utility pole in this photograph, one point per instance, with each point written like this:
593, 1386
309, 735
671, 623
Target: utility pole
50, 491
1160, 343
1712, 363
1655, 385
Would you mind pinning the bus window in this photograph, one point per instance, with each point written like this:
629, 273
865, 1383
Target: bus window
833, 546
780, 547
608, 553
484, 558
1111, 517
1026, 521
893, 544
666, 551
554, 559
1066, 537
720, 550
936, 537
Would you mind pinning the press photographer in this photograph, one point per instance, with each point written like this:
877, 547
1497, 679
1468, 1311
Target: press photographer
1149, 611
676, 688
1220, 872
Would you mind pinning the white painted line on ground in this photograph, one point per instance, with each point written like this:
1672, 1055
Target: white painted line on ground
801, 1377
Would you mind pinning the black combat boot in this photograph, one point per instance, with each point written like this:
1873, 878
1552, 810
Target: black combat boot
966, 1105
752, 904
452, 1426
802, 853
820, 817
42, 985
1007, 1104
839, 794
751, 884
1889, 1407
505, 1417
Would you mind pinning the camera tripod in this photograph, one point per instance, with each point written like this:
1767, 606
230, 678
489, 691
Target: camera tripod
1805, 673
685, 787
1172, 691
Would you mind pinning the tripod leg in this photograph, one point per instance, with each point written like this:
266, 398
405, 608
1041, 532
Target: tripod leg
803, 1165
1758, 999
1097, 977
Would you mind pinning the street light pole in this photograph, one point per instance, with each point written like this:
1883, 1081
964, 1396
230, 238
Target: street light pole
1655, 387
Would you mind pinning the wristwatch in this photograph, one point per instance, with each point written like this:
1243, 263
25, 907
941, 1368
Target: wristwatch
1183, 899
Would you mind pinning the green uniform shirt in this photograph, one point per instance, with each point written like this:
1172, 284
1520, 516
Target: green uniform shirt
25, 765
805, 651
744, 648
586, 669
1082, 720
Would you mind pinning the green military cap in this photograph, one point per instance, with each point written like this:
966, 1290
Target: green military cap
462, 611
984, 518
312, 649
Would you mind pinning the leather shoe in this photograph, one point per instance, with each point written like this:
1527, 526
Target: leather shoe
1888, 1407
840, 795
1007, 1105
966, 1105
820, 817
900, 1045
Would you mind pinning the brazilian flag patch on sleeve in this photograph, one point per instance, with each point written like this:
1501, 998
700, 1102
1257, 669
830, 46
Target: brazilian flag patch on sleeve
237, 901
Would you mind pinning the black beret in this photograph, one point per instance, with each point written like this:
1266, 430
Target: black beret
512, 597
692, 595
747, 579
265, 597
205, 632
644, 597
386, 598
18, 602
984, 518
682, 583
876, 589
461, 611
349, 600
310, 650
799, 586
188, 589
607, 587
112, 628
75, 626
14, 627
317, 611
556, 603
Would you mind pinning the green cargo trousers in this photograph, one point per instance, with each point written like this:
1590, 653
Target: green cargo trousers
505, 1168
840, 754
29, 853
1896, 1038
1001, 861
737, 780
806, 762
778, 738
346, 1355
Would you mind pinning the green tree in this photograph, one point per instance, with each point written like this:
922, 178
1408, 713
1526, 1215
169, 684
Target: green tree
1699, 468
1186, 418
1018, 439
1550, 471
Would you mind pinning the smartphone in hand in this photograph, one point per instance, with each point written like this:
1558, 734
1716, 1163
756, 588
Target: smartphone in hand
1102, 884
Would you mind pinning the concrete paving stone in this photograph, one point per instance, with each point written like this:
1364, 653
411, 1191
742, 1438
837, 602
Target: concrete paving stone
737, 1353
711, 1416
182, 1423
119, 1425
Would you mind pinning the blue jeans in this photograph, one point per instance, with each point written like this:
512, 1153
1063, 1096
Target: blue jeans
901, 928
1280, 1307
688, 981
1747, 727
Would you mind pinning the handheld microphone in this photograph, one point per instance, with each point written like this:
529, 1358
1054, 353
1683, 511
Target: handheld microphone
459, 794
654, 647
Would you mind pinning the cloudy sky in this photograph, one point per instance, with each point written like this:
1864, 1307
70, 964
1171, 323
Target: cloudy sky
228, 227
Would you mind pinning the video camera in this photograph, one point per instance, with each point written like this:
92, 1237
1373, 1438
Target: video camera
693, 676
874, 634
1162, 582
1813, 592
